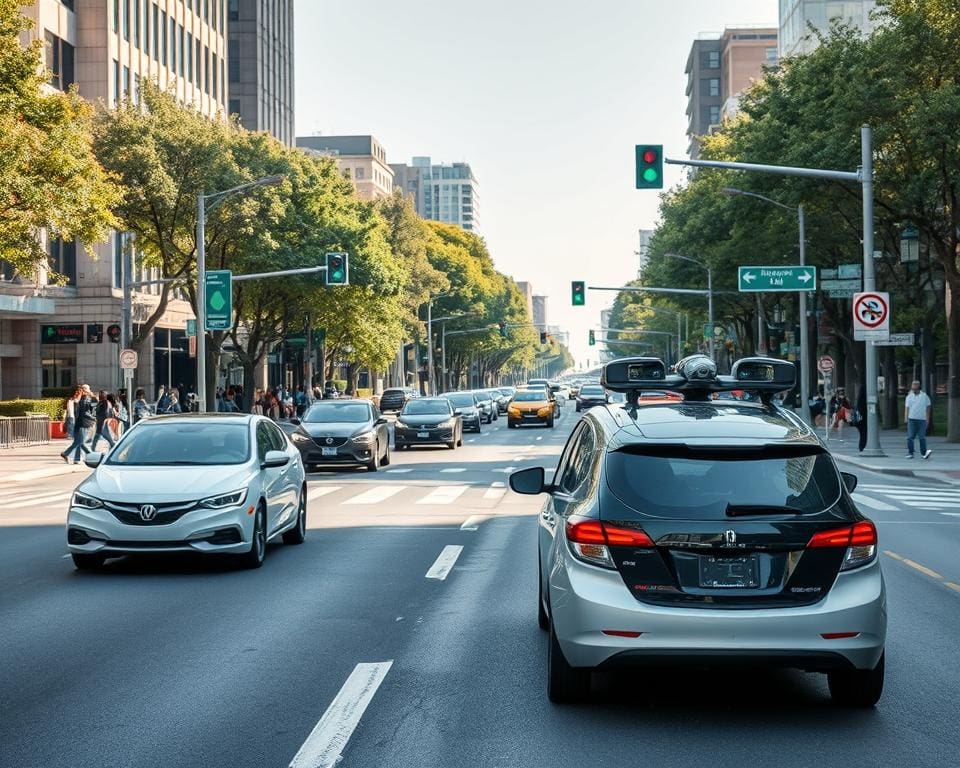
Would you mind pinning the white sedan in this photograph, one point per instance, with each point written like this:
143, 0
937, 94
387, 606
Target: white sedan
218, 483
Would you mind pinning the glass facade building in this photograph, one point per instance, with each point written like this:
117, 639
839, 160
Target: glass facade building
796, 17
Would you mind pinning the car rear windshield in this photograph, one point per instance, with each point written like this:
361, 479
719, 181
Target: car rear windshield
461, 400
682, 483
423, 407
172, 443
529, 397
591, 390
351, 413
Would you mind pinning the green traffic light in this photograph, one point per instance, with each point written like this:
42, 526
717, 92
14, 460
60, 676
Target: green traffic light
650, 175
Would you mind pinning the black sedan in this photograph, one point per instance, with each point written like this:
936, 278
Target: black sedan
428, 421
394, 399
591, 395
342, 432
466, 404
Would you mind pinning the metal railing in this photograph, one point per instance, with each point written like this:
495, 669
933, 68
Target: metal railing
32, 429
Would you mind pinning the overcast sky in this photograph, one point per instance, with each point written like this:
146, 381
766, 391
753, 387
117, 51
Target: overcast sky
544, 98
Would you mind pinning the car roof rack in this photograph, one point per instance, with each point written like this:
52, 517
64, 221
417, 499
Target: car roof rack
697, 378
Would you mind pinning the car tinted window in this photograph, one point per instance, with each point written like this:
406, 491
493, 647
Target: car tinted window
165, 443
590, 390
461, 400
700, 485
530, 397
352, 413
427, 407
263, 441
581, 459
278, 440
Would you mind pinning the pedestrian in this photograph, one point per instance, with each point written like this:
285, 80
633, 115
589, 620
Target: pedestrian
85, 414
173, 406
860, 416
226, 403
141, 408
917, 413
840, 408
118, 422
163, 400
817, 407
70, 423
105, 411
301, 401
257, 407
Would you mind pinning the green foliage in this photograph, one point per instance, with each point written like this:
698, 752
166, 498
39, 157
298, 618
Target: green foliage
54, 407
49, 177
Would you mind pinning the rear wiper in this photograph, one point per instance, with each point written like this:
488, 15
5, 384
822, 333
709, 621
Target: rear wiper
743, 510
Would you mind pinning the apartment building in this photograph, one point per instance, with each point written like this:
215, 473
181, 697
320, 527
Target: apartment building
446, 192
797, 16
362, 159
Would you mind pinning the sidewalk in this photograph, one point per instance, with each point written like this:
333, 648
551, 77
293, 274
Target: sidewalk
37, 461
943, 466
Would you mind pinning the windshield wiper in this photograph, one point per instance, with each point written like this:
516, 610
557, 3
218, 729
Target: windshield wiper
744, 510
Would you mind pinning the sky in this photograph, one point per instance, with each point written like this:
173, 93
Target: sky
545, 99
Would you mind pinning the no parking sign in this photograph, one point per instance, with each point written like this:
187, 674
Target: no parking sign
871, 316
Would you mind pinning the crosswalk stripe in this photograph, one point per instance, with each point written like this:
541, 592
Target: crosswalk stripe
36, 501
494, 493
375, 495
472, 523
445, 494
316, 493
445, 562
867, 501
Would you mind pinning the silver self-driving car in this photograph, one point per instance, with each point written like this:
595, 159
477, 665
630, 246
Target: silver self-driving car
705, 531
218, 483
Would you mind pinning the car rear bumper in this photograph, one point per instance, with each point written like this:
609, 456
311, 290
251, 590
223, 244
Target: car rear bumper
586, 600
434, 437
346, 454
198, 531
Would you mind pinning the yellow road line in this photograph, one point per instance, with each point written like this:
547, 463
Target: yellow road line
951, 585
923, 569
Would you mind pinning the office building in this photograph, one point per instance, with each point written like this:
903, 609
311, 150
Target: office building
260, 66
526, 290
540, 312
57, 335
643, 252
719, 67
797, 16
362, 159
445, 192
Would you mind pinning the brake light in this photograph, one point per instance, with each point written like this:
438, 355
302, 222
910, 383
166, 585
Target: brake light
585, 531
859, 539
621, 633
837, 537
838, 635
864, 534
590, 540
626, 537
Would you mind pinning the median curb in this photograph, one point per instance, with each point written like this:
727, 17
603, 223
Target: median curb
934, 475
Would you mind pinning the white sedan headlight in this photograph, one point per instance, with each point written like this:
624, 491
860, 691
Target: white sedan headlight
366, 437
84, 501
231, 499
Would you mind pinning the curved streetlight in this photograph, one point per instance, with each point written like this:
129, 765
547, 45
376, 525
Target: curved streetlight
804, 335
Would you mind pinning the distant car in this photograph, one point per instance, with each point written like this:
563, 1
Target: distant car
428, 421
211, 483
395, 398
499, 399
487, 405
466, 404
531, 383
531, 406
591, 395
342, 432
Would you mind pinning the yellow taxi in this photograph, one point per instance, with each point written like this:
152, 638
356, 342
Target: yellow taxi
531, 406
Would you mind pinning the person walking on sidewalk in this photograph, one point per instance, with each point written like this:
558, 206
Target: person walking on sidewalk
105, 412
918, 409
85, 415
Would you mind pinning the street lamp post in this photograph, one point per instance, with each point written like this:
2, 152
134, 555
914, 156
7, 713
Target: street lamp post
444, 380
215, 198
707, 267
804, 332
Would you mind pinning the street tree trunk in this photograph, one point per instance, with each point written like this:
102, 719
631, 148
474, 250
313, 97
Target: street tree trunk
953, 356
890, 416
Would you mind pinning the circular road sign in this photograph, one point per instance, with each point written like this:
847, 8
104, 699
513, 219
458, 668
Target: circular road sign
128, 359
825, 364
871, 310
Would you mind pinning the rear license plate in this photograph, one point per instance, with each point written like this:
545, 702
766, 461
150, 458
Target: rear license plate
328, 451
729, 572
423, 434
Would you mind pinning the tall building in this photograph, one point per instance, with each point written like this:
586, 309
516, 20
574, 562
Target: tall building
719, 67
441, 192
260, 65
643, 252
796, 17
362, 159
527, 291
56, 335
540, 312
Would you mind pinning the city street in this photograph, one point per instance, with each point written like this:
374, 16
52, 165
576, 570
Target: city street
409, 617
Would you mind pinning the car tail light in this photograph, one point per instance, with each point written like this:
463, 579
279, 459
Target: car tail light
590, 540
860, 540
621, 633
838, 635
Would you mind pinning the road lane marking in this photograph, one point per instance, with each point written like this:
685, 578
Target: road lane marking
316, 493
867, 501
540, 437
454, 469
36, 501
375, 495
508, 470
472, 440
327, 740
951, 585
494, 492
399, 471
472, 523
445, 494
951, 514
444, 563
916, 566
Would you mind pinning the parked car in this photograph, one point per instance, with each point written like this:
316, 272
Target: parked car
395, 398
466, 404
211, 483
428, 421
350, 432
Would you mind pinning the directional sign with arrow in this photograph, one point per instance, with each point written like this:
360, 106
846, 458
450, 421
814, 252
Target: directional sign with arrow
775, 279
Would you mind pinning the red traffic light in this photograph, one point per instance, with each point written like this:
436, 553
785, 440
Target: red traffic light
649, 156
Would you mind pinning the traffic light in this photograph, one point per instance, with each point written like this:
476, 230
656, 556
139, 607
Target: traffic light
503, 329
649, 166
543, 337
113, 333
578, 293
592, 338
338, 270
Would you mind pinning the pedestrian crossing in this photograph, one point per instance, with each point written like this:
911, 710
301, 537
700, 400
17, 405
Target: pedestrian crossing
885, 498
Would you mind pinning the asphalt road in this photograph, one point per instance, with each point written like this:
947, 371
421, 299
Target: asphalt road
403, 633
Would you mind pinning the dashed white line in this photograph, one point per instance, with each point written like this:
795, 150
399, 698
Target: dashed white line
376, 495
399, 471
36, 501
494, 492
472, 523
867, 501
507, 470
445, 494
326, 741
316, 493
454, 469
444, 563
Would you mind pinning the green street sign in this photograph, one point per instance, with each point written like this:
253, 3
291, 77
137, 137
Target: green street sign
775, 279
218, 300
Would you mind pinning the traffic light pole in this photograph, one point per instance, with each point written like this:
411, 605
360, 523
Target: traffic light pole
864, 177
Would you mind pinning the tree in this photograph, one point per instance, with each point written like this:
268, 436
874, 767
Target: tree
49, 176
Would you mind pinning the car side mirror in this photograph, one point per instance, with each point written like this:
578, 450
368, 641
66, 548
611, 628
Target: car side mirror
529, 481
294, 420
93, 459
381, 420
850, 481
274, 459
